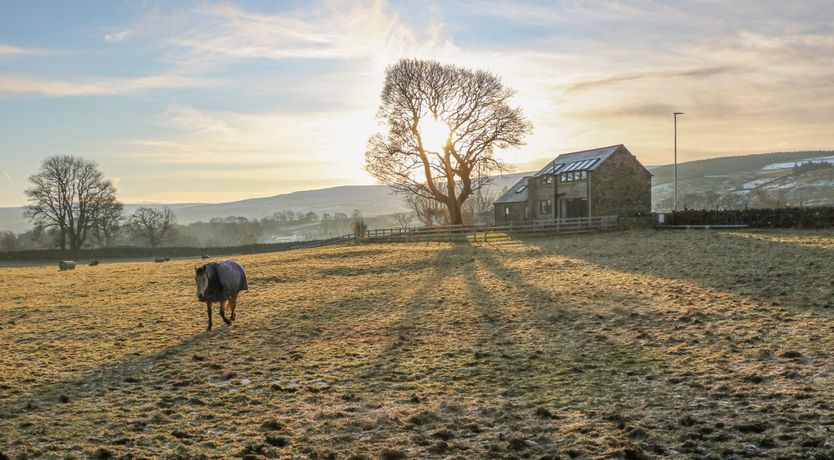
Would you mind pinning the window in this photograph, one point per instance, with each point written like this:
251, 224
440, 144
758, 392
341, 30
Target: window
547, 179
573, 176
526, 212
546, 206
506, 212
521, 189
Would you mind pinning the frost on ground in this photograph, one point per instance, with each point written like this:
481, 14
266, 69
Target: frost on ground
639, 344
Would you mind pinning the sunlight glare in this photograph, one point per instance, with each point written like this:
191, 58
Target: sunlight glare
434, 133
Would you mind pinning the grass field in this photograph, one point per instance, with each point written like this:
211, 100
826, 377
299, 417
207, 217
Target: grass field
636, 344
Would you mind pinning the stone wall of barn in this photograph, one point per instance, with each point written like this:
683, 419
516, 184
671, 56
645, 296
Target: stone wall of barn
620, 186
516, 213
538, 191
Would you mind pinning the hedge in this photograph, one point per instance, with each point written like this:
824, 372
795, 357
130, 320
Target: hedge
134, 252
816, 217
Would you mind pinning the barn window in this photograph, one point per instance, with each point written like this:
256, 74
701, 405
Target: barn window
573, 176
546, 206
526, 212
507, 212
547, 179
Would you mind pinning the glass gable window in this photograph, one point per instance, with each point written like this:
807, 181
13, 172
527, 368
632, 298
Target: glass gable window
573, 176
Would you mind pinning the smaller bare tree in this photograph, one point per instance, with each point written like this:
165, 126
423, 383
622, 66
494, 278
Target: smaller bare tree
428, 211
8, 241
154, 226
107, 223
404, 220
479, 203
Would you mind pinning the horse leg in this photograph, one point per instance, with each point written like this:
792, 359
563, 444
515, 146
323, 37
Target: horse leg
223, 312
233, 305
208, 310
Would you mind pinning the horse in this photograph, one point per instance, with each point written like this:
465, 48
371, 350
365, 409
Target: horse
218, 282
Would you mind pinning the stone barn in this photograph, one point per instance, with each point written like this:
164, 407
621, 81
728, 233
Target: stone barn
606, 181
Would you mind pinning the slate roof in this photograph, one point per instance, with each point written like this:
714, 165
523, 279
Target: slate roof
585, 160
513, 195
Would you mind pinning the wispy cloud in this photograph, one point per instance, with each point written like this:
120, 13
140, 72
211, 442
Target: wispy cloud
12, 84
9, 50
8, 177
704, 72
116, 37
341, 30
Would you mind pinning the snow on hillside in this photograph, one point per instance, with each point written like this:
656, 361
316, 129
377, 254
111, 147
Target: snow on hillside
794, 164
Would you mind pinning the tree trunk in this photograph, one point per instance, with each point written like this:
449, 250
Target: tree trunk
455, 214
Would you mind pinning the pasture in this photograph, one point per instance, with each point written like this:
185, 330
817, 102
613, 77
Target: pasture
632, 344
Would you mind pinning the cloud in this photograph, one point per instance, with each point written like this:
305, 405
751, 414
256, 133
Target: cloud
117, 37
695, 73
8, 177
9, 50
10, 84
212, 34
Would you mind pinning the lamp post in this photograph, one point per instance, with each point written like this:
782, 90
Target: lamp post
675, 199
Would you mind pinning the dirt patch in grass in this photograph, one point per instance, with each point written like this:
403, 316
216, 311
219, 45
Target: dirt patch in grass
631, 345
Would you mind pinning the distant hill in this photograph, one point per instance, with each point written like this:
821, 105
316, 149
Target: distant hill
768, 172
774, 174
372, 200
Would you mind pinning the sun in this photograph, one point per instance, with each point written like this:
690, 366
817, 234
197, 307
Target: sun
434, 133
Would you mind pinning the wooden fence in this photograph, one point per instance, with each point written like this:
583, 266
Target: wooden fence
471, 232
446, 233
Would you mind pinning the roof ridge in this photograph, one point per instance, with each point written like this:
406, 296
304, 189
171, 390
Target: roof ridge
590, 150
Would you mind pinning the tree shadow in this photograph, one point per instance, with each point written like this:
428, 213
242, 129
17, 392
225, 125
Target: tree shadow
763, 270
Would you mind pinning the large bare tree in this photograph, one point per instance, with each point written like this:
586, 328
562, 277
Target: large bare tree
154, 226
443, 125
67, 194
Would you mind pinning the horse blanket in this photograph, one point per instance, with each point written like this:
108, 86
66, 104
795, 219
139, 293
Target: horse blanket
226, 279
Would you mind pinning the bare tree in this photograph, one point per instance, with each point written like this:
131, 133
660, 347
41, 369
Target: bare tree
404, 220
443, 124
479, 203
428, 211
67, 194
107, 224
8, 241
358, 225
154, 226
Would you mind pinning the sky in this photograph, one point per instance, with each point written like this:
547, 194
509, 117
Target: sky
217, 101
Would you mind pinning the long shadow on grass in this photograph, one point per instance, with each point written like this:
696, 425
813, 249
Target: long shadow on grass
791, 275
581, 369
129, 374
409, 330
677, 388
100, 381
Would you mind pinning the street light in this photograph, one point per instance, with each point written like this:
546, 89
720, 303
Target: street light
675, 199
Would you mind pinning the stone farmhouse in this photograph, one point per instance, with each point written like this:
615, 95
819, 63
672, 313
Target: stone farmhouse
601, 182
